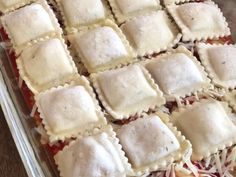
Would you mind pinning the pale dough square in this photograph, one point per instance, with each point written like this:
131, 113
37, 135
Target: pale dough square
69, 110
151, 33
30, 23
223, 61
178, 73
91, 156
132, 6
207, 126
220, 62
126, 9
80, 13
102, 47
45, 65
83, 11
147, 140
199, 21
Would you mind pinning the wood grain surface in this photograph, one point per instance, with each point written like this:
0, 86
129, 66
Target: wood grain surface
10, 162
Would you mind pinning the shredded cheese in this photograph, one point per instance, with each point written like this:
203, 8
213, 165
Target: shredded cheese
205, 175
6, 45
168, 172
189, 45
33, 111
20, 82
210, 171
227, 174
216, 93
223, 156
178, 101
186, 159
172, 174
44, 137
218, 163
180, 168
232, 158
207, 162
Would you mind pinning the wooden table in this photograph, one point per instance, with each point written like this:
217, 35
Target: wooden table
10, 162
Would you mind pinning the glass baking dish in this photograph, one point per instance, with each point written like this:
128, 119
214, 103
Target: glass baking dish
37, 160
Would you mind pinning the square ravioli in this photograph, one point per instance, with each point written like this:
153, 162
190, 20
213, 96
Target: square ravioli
151, 33
211, 127
69, 110
127, 91
199, 20
220, 62
77, 13
124, 9
92, 156
30, 23
46, 64
148, 143
9, 5
102, 47
178, 73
